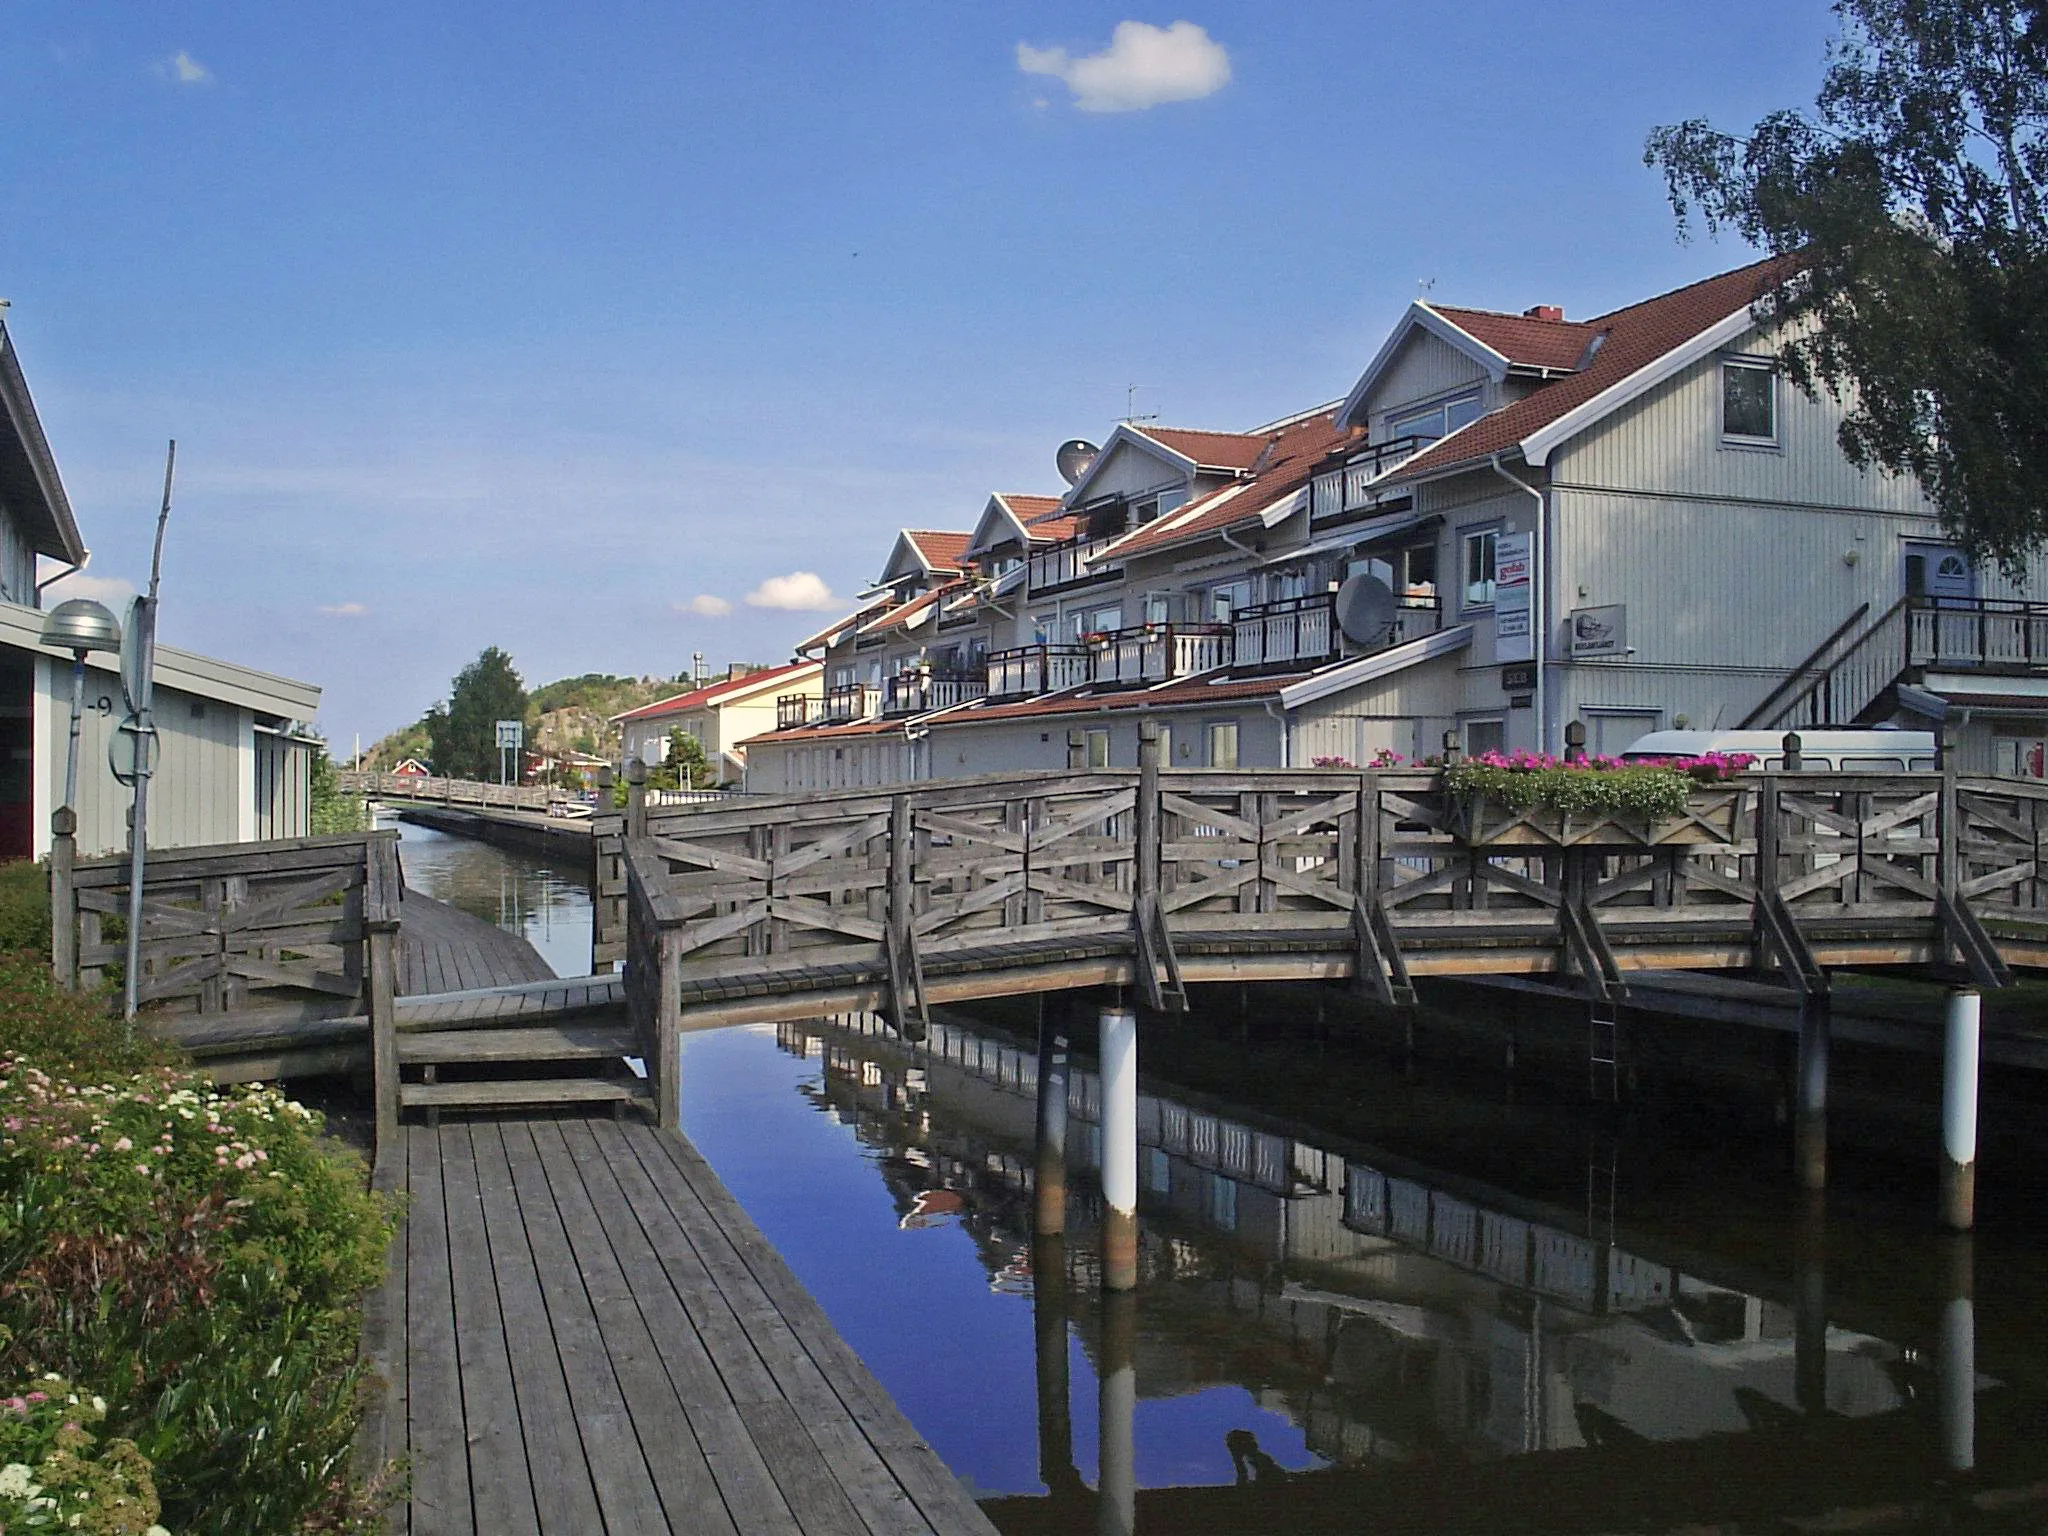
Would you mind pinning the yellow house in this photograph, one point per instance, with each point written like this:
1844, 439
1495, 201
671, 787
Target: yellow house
718, 716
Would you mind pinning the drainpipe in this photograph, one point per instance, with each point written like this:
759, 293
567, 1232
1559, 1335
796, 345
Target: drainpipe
1539, 607
1286, 733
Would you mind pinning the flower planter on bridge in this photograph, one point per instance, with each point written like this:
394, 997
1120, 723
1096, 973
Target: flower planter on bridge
1712, 816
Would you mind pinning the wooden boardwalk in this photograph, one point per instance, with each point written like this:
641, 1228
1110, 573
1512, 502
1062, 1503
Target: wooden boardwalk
582, 1332
444, 949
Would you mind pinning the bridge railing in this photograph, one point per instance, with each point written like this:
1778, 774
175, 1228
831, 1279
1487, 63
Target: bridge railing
1383, 874
442, 791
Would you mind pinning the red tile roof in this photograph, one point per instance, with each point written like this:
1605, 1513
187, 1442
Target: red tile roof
1025, 508
1054, 526
1211, 450
1635, 338
1289, 462
718, 692
827, 732
898, 616
1188, 693
942, 551
1526, 340
845, 621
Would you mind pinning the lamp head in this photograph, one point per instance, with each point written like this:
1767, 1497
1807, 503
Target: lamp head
79, 625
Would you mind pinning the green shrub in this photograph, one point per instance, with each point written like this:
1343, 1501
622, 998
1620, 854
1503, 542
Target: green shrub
56, 1476
1645, 791
68, 1031
25, 906
200, 1257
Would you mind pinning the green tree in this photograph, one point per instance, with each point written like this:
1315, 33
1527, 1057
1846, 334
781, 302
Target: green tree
1908, 205
686, 768
464, 733
327, 808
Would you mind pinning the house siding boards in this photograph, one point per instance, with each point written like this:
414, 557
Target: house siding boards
1425, 368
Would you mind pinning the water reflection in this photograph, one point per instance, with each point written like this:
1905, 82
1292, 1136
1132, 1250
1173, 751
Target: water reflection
546, 903
1316, 1325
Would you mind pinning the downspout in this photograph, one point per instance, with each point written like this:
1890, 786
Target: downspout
1539, 626
1286, 732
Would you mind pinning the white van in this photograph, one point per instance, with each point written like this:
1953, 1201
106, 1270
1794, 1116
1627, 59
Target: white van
1874, 751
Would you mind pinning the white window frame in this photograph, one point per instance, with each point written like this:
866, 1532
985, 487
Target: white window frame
1465, 724
1749, 365
1098, 747
1210, 731
1467, 537
1405, 424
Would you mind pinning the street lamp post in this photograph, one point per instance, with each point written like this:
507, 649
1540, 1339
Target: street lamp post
80, 626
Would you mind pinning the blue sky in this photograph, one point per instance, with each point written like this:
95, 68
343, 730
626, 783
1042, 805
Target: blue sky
528, 324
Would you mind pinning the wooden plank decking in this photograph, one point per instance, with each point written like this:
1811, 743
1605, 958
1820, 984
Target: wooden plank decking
444, 949
582, 1332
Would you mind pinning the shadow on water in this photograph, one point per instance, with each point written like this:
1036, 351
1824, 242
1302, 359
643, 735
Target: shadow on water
1333, 1334
547, 903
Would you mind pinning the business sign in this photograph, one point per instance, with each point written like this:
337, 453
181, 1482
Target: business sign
1513, 636
1518, 677
1600, 631
511, 735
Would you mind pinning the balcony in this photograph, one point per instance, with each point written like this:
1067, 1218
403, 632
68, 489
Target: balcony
917, 693
1027, 671
1064, 565
1157, 653
1302, 631
1338, 491
1979, 634
795, 710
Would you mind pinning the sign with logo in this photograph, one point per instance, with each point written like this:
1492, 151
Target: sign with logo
1513, 637
1518, 677
1600, 631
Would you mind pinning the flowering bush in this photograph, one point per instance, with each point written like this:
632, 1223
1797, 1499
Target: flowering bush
1386, 757
1653, 788
200, 1257
54, 1476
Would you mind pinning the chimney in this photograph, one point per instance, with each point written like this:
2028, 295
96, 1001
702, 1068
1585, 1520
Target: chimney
1544, 312
740, 669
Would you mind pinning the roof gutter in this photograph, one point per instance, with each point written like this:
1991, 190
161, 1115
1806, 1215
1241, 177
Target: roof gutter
70, 570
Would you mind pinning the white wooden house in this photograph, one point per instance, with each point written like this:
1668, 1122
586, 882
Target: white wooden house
235, 757
1628, 521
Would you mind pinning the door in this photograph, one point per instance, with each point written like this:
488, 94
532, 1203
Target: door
1941, 588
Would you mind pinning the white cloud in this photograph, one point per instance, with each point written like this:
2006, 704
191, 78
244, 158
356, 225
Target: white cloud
343, 610
1143, 66
799, 591
115, 592
185, 69
704, 603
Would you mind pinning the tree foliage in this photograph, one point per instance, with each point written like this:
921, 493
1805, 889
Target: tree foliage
686, 768
1909, 203
464, 732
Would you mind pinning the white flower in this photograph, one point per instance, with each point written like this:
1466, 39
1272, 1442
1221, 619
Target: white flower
17, 1481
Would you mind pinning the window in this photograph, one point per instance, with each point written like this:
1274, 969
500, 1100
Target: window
1096, 621
1145, 511
1098, 749
1158, 607
1408, 573
1439, 420
1225, 600
1482, 736
1222, 736
1479, 558
1749, 401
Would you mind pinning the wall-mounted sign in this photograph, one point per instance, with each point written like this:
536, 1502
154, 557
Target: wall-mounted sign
1518, 677
1513, 639
1600, 631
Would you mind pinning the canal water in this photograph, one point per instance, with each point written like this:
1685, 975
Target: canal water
1373, 1297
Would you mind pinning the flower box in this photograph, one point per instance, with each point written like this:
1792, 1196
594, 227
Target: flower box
1712, 816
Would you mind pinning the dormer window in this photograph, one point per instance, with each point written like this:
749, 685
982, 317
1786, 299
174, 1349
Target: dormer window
1435, 421
1144, 511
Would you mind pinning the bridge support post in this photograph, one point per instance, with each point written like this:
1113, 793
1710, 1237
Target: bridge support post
1050, 1216
1119, 1051
1810, 1114
1959, 1110
1117, 1403
1810, 1309
1956, 1360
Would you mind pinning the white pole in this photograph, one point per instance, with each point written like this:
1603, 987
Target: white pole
1119, 1047
1959, 1110
1956, 1363
1116, 1401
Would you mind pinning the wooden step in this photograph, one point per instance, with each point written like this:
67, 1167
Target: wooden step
532, 1042
506, 1095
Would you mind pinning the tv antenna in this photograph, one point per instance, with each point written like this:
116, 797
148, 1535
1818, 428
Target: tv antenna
1131, 405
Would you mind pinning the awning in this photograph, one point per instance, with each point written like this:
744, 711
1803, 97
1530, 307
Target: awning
1373, 530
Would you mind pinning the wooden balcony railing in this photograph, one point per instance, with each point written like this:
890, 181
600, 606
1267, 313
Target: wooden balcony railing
1344, 489
1157, 653
793, 710
1976, 634
1302, 631
1063, 566
916, 693
1026, 671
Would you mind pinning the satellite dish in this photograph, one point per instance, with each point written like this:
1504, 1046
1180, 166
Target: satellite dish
1366, 610
1074, 457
